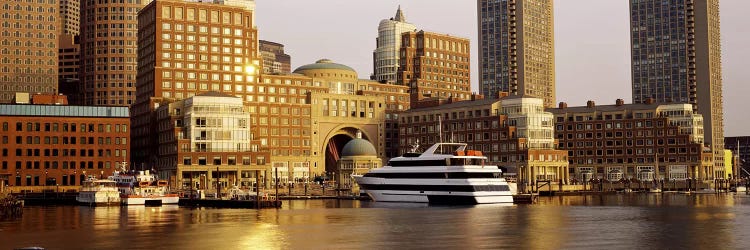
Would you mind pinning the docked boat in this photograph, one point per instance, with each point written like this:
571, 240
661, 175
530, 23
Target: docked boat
445, 173
143, 188
99, 193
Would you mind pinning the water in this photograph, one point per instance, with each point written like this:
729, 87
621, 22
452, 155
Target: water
624, 221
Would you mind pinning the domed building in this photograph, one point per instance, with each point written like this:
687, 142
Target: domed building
357, 158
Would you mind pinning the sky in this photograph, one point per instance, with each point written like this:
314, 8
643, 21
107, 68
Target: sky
592, 43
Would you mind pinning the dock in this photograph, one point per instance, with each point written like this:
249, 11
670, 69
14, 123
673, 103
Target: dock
217, 203
524, 198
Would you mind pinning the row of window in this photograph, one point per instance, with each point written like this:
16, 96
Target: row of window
68, 152
67, 127
67, 140
60, 165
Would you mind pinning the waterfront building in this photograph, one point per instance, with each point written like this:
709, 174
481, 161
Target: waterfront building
275, 61
644, 141
299, 119
70, 12
676, 57
434, 65
68, 68
186, 48
514, 132
206, 139
28, 47
45, 142
108, 66
386, 57
740, 145
517, 52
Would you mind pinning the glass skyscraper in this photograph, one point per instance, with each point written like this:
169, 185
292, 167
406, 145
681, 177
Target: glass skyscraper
676, 57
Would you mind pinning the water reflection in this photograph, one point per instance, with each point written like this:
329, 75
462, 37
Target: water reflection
622, 221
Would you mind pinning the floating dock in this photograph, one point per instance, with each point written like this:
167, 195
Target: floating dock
216, 203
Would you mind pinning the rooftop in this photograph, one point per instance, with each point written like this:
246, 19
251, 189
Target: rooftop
63, 111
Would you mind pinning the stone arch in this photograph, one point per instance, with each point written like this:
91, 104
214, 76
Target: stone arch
339, 136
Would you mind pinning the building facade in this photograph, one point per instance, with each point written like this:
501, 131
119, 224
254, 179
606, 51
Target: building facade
68, 68
70, 12
434, 66
186, 48
108, 35
206, 139
513, 132
385, 58
517, 52
47, 143
275, 61
740, 146
676, 57
28, 47
635, 141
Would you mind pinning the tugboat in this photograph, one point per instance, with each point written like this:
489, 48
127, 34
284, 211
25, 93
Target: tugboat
446, 173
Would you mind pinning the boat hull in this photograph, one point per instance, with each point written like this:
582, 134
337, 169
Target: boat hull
443, 198
101, 198
163, 200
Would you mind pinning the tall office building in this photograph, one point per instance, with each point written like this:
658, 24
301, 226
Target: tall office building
28, 47
676, 53
108, 51
517, 52
187, 48
386, 55
68, 62
434, 66
70, 11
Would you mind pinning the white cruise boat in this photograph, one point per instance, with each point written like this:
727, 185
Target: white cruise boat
143, 188
99, 193
446, 173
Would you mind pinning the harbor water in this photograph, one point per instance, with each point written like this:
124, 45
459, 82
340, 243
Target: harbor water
618, 221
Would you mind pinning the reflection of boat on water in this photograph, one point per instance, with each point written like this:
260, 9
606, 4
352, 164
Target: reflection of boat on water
705, 191
99, 193
446, 173
143, 188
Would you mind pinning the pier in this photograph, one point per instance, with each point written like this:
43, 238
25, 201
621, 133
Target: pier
216, 203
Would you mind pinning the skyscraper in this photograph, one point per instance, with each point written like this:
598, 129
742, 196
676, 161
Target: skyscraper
108, 51
385, 57
517, 52
676, 57
28, 48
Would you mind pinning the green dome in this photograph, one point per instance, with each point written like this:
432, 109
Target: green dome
323, 64
358, 147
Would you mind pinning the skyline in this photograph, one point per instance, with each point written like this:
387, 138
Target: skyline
591, 41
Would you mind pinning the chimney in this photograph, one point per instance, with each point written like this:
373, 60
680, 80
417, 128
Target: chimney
619, 102
649, 100
590, 104
562, 105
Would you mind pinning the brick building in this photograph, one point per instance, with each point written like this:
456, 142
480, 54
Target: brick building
644, 141
513, 132
47, 143
434, 66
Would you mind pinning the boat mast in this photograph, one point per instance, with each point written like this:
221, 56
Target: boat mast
440, 127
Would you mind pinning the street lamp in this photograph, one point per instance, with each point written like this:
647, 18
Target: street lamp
73, 183
45, 178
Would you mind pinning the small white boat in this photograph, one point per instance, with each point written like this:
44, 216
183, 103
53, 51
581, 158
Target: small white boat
143, 188
654, 190
99, 193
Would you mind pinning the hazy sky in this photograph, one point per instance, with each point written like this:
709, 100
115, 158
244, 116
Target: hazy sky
591, 42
